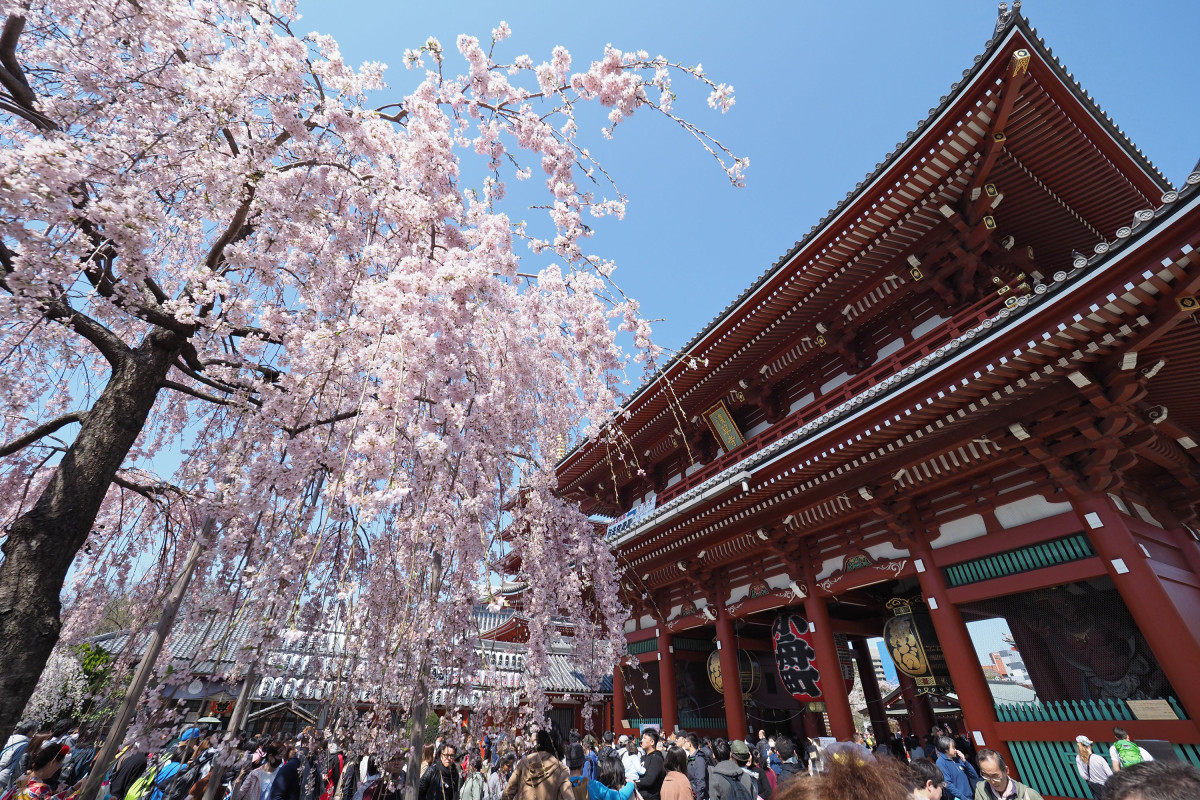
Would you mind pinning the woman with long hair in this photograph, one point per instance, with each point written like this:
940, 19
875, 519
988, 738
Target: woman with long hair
1092, 768
611, 783
675, 785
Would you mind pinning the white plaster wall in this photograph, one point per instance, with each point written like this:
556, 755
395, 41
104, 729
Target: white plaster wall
1145, 514
889, 348
926, 326
757, 429
960, 530
834, 382
1029, 509
801, 402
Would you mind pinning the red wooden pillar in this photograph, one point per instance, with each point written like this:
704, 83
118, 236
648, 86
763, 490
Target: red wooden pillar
974, 696
731, 676
833, 687
920, 710
866, 674
618, 701
1170, 621
666, 681
1188, 546
814, 724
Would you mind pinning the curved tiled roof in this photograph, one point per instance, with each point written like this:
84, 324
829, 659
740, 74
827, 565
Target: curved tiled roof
1009, 22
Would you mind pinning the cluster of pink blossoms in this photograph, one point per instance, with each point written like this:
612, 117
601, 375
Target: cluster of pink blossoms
371, 372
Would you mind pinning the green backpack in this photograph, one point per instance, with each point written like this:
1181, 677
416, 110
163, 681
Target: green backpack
142, 786
1128, 753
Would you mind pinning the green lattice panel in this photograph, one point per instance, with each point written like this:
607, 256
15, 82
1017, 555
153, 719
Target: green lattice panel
1049, 767
647, 646
693, 645
688, 723
1024, 559
1189, 753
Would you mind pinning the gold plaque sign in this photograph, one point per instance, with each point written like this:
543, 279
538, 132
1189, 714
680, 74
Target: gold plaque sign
723, 427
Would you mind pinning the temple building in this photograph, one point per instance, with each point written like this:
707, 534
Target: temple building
968, 393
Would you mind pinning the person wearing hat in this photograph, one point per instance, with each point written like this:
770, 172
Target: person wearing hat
1093, 769
729, 780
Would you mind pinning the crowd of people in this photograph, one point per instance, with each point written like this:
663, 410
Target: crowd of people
539, 763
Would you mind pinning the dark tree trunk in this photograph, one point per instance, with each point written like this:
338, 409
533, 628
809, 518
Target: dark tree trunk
42, 542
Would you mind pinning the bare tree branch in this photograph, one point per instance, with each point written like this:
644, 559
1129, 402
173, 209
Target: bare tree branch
299, 429
114, 350
45, 429
179, 387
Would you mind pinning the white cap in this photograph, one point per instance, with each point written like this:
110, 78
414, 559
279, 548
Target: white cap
623, 739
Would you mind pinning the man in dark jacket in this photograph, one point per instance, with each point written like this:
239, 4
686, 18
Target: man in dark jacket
441, 780
606, 749
650, 784
790, 765
697, 767
286, 783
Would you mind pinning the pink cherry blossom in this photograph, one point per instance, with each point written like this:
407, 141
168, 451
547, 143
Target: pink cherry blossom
347, 360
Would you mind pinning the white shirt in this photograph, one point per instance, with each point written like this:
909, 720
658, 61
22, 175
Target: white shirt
633, 765
1096, 770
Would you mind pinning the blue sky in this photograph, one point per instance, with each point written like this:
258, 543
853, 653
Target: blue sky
824, 91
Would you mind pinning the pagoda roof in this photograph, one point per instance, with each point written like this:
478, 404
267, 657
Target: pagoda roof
718, 340
826, 452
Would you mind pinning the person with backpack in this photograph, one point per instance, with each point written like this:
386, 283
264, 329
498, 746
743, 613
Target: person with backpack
606, 749
1092, 769
729, 780
591, 761
1125, 752
174, 779
14, 749
130, 766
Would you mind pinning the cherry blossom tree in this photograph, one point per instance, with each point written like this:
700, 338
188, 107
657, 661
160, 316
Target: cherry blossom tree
213, 244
